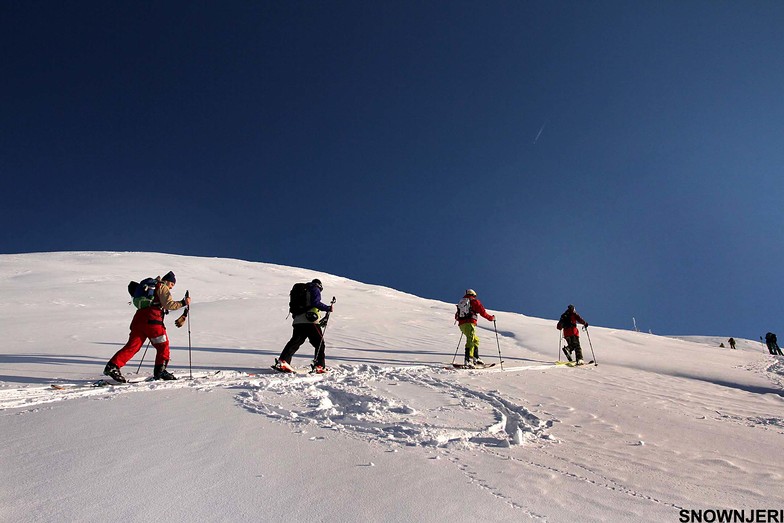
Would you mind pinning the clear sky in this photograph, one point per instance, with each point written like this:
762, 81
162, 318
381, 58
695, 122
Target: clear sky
627, 157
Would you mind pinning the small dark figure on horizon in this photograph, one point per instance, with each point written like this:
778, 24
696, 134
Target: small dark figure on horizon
772, 343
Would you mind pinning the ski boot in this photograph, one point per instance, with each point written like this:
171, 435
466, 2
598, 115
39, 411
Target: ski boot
282, 366
113, 371
568, 353
160, 373
318, 369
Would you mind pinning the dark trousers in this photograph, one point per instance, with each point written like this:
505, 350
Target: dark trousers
573, 342
305, 331
773, 348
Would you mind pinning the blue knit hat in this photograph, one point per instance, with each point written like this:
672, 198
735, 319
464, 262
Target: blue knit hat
169, 277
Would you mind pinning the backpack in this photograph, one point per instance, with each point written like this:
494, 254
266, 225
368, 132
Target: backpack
464, 308
299, 298
143, 292
566, 320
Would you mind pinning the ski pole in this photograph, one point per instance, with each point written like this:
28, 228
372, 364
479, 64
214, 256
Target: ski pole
143, 355
326, 318
457, 348
190, 356
499, 345
560, 343
591, 345
322, 346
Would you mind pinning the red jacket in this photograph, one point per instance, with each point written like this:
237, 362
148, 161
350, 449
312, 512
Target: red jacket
570, 329
476, 310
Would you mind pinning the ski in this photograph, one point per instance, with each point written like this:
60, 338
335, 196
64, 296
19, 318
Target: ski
476, 367
297, 370
109, 382
574, 364
97, 384
91, 385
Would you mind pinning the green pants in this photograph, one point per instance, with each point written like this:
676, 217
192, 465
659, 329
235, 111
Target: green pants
472, 340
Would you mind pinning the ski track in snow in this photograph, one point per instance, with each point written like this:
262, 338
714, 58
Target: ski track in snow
377, 402
420, 405
774, 371
369, 401
423, 406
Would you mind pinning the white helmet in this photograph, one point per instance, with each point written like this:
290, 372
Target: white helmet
470, 292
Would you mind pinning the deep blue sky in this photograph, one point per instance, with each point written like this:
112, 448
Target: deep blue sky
392, 142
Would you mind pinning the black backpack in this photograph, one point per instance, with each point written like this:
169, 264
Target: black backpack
143, 293
566, 320
299, 298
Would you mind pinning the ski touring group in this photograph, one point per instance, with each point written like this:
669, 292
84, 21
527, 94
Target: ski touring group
153, 301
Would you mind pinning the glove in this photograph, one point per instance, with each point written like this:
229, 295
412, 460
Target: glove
179, 322
331, 308
492, 318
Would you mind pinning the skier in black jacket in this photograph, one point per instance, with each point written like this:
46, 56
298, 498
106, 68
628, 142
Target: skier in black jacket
306, 326
772, 343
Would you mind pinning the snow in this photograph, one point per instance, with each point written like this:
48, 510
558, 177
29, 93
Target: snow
391, 434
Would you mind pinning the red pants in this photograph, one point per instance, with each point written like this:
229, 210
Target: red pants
141, 329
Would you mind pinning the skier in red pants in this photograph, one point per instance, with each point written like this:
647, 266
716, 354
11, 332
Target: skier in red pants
148, 323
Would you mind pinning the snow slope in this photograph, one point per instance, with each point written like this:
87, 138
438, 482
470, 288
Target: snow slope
391, 434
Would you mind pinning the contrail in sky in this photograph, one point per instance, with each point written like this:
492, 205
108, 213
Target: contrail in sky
539, 133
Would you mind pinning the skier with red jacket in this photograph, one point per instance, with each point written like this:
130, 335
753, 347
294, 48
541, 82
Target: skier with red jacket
148, 323
468, 311
568, 323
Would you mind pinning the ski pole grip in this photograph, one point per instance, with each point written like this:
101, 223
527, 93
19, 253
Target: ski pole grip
333, 300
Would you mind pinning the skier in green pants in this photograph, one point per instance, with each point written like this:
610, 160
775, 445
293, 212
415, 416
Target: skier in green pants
468, 311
